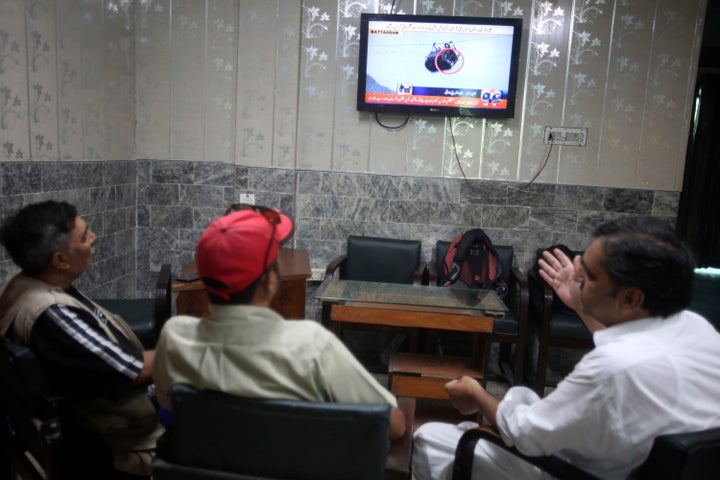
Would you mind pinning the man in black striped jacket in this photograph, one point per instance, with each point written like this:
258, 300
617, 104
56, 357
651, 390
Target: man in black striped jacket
90, 354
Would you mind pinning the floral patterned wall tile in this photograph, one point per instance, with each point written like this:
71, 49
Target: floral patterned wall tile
14, 137
317, 56
153, 91
42, 79
221, 74
187, 87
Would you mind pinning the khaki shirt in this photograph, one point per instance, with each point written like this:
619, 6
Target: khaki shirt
253, 352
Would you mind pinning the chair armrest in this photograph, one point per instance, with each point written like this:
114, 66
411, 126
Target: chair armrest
465, 451
539, 285
421, 275
163, 298
338, 264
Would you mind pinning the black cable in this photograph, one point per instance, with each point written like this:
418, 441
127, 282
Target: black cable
455, 152
542, 167
389, 127
392, 7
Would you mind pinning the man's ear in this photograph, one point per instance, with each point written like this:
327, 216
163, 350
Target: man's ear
632, 299
59, 261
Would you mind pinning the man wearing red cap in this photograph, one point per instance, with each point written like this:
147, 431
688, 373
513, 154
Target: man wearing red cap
244, 347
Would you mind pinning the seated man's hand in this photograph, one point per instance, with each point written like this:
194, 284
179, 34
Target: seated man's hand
464, 393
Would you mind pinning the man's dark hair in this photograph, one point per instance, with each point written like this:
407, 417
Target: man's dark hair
647, 253
35, 232
243, 297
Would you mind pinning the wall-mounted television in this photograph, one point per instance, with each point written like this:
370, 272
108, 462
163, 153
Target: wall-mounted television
439, 65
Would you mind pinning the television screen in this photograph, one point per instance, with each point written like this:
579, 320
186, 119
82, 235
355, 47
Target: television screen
442, 65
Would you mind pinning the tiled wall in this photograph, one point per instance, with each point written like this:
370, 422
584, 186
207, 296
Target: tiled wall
104, 193
151, 212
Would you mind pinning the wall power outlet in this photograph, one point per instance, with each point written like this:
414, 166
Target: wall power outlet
569, 136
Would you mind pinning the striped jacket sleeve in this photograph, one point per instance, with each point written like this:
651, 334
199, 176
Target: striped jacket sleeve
79, 355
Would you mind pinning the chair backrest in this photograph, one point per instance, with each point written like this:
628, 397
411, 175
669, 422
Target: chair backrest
683, 456
277, 438
505, 255
145, 316
558, 305
388, 260
705, 299
34, 415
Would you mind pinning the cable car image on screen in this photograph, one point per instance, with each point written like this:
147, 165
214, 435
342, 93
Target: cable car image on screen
442, 59
438, 65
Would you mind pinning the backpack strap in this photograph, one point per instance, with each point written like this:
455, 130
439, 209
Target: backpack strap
476, 235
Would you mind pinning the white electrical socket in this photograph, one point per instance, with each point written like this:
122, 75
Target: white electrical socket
569, 136
317, 273
247, 198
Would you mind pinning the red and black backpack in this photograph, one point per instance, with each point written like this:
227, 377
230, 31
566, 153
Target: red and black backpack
472, 260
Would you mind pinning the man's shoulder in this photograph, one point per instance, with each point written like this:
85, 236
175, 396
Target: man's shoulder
181, 322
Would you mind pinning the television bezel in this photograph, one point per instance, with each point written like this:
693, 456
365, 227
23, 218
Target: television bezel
449, 111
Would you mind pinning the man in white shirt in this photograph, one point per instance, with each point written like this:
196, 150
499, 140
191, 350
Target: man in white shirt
655, 368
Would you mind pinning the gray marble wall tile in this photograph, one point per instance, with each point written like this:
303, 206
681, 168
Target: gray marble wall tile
103, 198
202, 216
202, 196
149, 212
345, 185
283, 201
391, 188
665, 204
144, 171
535, 195
117, 173
171, 216
496, 216
242, 177
554, 219
271, 180
333, 230
588, 221
21, 177
172, 172
312, 206
389, 230
215, 174
309, 228
435, 190
87, 174
576, 241
624, 200
158, 194
125, 195
483, 192
309, 183
143, 216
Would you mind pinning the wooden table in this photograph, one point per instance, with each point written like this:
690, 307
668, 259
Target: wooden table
415, 307
192, 298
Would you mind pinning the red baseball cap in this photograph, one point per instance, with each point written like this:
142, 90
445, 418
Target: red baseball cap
232, 249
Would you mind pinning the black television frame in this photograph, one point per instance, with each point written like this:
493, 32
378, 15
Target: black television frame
451, 111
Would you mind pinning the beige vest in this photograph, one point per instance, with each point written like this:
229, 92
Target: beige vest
128, 423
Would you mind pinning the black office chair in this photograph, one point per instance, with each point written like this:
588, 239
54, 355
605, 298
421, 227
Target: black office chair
146, 316
513, 328
376, 259
39, 439
556, 324
705, 299
681, 456
218, 435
